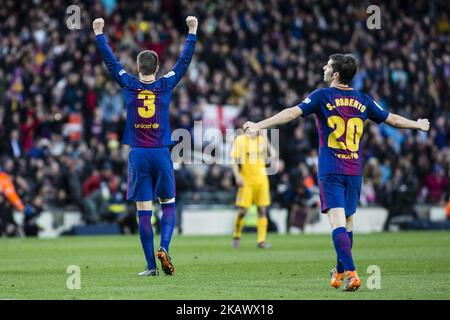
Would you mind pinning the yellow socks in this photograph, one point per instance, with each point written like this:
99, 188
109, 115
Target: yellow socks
238, 226
261, 228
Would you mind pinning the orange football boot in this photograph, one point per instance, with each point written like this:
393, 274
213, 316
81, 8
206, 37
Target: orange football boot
353, 282
166, 261
336, 278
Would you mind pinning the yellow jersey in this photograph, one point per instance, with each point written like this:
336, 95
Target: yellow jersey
250, 153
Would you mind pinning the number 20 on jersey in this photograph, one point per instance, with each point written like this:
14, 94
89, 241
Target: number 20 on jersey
353, 130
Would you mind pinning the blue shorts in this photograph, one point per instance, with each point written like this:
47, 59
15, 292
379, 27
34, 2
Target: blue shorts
339, 191
150, 174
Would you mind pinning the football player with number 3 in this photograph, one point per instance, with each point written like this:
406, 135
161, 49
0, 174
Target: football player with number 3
340, 113
150, 168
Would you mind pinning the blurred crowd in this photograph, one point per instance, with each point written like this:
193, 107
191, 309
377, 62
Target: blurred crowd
62, 117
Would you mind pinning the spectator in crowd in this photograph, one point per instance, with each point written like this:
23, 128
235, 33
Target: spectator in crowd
437, 185
32, 212
399, 196
184, 189
96, 191
111, 105
299, 205
117, 210
214, 178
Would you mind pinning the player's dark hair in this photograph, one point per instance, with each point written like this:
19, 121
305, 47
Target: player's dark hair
147, 62
346, 65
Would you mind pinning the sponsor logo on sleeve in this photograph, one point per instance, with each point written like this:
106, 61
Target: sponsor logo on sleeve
307, 100
171, 73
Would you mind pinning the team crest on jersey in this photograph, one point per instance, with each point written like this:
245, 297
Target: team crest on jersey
307, 100
171, 73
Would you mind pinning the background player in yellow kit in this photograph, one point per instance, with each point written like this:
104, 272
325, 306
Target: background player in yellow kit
249, 153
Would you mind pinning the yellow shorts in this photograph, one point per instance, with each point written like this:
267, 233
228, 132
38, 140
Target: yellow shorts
258, 194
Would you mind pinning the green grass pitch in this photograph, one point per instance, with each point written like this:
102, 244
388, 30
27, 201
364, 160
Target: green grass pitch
414, 265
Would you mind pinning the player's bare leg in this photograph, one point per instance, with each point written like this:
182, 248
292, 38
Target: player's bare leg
167, 225
238, 226
146, 235
349, 227
349, 223
342, 243
261, 228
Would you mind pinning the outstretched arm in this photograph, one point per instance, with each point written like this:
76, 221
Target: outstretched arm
308, 106
397, 121
116, 69
285, 116
178, 71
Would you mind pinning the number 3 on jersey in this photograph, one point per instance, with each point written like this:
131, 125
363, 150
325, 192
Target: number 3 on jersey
353, 130
148, 98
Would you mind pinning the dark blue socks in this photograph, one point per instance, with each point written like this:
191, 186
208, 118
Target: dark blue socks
146, 231
339, 265
350, 235
146, 235
343, 246
167, 223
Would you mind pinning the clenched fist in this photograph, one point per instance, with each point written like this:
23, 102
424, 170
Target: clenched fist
251, 127
424, 124
192, 23
98, 25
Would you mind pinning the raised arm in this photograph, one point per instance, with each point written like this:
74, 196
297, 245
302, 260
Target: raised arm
398, 121
116, 69
178, 71
285, 116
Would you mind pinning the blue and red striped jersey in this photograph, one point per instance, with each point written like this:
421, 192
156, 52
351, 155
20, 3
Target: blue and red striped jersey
340, 116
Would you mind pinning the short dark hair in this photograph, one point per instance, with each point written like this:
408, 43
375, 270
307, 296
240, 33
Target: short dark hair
147, 62
346, 65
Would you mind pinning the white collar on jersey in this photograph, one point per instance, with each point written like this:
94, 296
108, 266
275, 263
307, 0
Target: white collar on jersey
147, 82
342, 87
